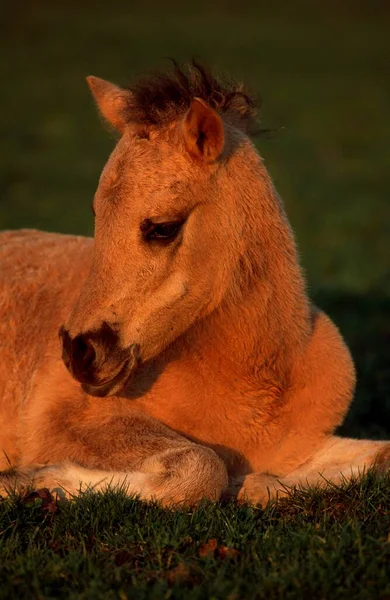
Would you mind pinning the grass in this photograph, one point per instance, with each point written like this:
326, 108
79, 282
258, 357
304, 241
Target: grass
322, 69
313, 545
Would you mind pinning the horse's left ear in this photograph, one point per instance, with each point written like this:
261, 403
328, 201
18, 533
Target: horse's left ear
203, 131
113, 102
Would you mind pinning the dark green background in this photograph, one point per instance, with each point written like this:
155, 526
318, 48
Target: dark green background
323, 71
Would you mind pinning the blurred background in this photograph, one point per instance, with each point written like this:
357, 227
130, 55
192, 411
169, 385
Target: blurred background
323, 72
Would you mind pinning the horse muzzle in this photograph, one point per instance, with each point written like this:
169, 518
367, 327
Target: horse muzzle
97, 361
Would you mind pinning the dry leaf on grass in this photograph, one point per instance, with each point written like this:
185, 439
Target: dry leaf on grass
179, 573
208, 548
211, 548
227, 553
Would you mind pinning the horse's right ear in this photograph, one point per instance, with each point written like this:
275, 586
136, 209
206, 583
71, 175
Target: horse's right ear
113, 102
203, 131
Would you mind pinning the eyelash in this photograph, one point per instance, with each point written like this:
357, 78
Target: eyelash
160, 232
157, 232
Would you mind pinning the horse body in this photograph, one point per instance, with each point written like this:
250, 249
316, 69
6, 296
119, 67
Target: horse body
199, 366
35, 273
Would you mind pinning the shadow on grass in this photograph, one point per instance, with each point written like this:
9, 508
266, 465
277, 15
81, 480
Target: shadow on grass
364, 321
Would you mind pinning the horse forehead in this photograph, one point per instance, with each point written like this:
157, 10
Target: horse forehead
142, 173
160, 175
134, 158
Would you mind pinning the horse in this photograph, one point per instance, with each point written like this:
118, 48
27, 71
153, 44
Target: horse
176, 355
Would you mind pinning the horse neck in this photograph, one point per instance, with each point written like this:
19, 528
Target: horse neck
264, 320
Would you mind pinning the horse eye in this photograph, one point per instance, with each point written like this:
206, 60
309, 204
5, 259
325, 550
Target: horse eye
164, 232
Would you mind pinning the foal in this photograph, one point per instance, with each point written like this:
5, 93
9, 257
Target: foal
193, 363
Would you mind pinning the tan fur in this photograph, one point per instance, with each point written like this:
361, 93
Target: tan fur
239, 375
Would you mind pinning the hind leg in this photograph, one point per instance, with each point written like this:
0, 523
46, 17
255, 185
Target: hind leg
338, 459
346, 456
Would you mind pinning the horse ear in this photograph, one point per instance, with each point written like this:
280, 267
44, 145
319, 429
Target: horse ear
113, 102
203, 131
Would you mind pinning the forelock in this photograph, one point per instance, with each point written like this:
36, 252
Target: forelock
161, 98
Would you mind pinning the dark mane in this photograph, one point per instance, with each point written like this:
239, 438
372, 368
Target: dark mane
163, 97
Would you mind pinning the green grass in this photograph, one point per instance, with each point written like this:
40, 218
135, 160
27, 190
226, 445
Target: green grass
313, 545
323, 72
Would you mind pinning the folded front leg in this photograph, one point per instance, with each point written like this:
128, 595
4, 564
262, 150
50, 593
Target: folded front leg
181, 476
161, 465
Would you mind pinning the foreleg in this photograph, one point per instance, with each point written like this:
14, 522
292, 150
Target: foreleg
163, 466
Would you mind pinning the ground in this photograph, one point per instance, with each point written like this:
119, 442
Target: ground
322, 71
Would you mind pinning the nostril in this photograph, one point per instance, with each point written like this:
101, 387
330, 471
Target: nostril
78, 354
83, 352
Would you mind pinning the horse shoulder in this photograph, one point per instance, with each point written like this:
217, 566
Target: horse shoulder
321, 390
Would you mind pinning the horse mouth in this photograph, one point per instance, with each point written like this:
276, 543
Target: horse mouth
111, 387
